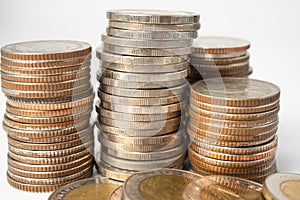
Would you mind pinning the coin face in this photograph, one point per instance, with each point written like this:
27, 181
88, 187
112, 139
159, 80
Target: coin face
282, 186
219, 45
222, 187
88, 189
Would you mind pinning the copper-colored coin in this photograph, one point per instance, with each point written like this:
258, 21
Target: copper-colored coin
219, 45
46, 50
32, 105
50, 113
151, 101
231, 123
52, 181
141, 85
135, 117
238, 92
220, 61
234, 110
50, 160
48, 168
234, 117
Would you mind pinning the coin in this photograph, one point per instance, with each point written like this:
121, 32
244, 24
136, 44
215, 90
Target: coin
281, 186
228, 55
93, 188
145, 52
224, 187
154, 27
153, 16
116, 194
46, 50
238, 92
219, 45
169, 184
133, 43
220, 61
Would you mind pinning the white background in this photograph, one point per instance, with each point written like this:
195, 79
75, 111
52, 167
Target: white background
272, 27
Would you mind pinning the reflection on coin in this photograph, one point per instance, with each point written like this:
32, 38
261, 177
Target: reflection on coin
92, 189
223, 187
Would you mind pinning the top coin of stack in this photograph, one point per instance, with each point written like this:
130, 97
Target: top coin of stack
219, 56
143, 90
48, 110
233, 124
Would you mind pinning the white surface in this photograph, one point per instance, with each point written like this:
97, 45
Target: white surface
272, 27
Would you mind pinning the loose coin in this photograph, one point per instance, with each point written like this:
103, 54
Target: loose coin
116, 194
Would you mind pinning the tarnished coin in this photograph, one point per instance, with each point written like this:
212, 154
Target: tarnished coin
152, 44
238, 92
282, 186
133, 60
223, 187
93, 188
132, 51
158, 184
219, 45
154, 27
153, 16
46, 50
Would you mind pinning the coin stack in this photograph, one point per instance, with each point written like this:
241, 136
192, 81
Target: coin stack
143, 90
233, 125
219, 56
48, 111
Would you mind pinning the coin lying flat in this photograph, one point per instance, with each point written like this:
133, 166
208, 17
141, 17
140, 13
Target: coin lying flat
153, 16
282, 186
94, 188
169, 184
223, 187
116, 194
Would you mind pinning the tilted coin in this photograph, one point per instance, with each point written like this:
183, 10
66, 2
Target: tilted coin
133, 60
145, 69
153, 16
132, 43
223, 187
139, 77
151, 35
239, 92
219, 44
46, 50
281, 186
93, 188
158, 184
154, 27
140, 85
132, 51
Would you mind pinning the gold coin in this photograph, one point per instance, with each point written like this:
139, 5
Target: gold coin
116, 194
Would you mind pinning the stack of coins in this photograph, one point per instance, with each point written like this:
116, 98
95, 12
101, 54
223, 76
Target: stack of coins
219, 56
143, 90
233, 125
48, 111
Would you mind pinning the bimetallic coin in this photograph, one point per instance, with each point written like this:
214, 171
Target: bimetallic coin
158, 184
46, 50
153, 16
93, 188
113, 173
219, 45
282, 186
223, 187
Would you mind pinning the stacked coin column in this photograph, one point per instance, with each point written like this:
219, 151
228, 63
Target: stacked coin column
143, 90
219, 56
233, 125
48, 111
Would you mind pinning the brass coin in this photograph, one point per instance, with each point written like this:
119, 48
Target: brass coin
162, 44
116, 194
223, 187
153, 16
93, 188
46, 50
238, 92
145, 69
219, 45
154, 27
131, 51
169, 184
